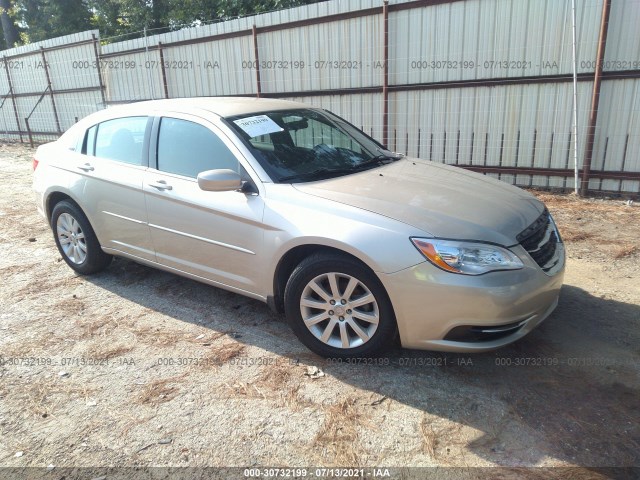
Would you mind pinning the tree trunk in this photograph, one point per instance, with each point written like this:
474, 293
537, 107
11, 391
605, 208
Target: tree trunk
8, 28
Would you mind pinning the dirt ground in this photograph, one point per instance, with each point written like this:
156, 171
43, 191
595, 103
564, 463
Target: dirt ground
136, 367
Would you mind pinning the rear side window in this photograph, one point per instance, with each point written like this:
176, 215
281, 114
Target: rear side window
121, 139
187, 148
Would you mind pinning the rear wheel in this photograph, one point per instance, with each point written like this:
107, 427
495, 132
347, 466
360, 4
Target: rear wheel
338, 308
76, 240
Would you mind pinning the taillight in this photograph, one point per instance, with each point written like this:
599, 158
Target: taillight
35, 164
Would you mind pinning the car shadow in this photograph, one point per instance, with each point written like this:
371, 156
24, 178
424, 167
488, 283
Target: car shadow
572, 385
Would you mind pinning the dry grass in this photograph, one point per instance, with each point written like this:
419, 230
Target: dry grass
41, 398
338, 438
24, 227
429, 438
276, 376
570, 234
33, 345
624, 251
293, 399
43, 285
160, 391
245, 389
218, 355
436, 436
134, 422
600, 227
101, 326
70, 306
106, 351
571, 203
272, 382
579, 214
159, 336
96, 331
12, 271
227, 351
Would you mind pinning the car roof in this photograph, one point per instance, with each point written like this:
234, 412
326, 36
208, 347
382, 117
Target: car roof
221, 106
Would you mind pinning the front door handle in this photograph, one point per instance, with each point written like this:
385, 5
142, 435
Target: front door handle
87, 167
161, 185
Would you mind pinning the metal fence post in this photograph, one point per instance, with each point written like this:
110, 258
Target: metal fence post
13, 98
385, 80
152, 93
254, 32
164, 72
95, 50
595, 98
53, 102
26, 122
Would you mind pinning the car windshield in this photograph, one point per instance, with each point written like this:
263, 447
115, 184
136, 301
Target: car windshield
303, 145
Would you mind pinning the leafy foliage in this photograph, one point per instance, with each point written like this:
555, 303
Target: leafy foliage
37, 20
9, 31
44, 19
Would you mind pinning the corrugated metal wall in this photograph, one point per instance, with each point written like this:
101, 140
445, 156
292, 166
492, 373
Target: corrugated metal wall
482, 83
489, 39
511, 126
216, 69
68, 62
617, 141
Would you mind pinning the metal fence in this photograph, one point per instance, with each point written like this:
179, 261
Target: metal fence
483, 84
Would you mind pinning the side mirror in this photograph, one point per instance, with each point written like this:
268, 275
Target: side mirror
222, 180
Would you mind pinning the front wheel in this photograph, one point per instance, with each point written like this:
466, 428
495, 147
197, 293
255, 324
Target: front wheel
76, 240
338, 308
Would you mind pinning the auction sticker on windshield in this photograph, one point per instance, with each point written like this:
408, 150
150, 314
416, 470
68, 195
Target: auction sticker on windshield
258, 125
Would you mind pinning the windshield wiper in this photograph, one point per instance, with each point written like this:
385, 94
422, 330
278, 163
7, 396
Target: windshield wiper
319, 173
379, 159
375, 161
326, 172
389, 154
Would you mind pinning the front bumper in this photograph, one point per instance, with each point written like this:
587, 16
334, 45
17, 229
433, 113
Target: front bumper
430, 303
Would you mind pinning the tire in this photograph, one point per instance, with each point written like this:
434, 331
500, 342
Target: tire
346, 328
76, 240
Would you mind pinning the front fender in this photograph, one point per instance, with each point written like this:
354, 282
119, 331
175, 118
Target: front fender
379, 242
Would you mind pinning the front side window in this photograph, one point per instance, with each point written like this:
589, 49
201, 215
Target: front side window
188, 148
121, 139
306, 144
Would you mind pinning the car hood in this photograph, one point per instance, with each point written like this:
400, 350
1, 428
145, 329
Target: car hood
441, 200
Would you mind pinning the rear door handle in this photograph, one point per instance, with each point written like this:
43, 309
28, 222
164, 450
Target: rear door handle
87, 167
161, 185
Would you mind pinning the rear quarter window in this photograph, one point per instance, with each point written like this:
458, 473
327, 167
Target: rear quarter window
120, 139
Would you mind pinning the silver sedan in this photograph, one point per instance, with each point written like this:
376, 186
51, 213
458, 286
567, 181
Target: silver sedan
294, 206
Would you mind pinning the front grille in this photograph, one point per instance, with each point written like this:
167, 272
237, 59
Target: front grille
541, 240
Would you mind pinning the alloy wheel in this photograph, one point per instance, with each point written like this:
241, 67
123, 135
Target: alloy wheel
339, 310
72, 239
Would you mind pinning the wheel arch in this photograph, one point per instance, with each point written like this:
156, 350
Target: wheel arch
95, 259
292, 258
56, 197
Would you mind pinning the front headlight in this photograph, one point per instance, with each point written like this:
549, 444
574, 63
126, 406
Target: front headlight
468, 258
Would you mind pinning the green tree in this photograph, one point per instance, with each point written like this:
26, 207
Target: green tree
43, 19
10, 35
235, 8
119, 17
